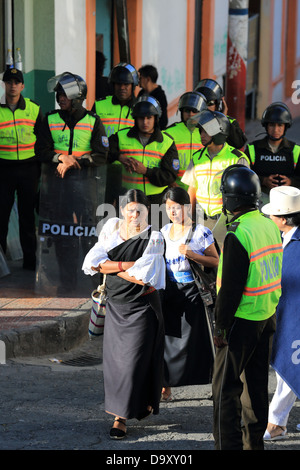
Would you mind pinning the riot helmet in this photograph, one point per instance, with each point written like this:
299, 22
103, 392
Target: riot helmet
279, 113
146, 106
214, 123
124, 73
211, 90
193, 101
72, 85
240, 187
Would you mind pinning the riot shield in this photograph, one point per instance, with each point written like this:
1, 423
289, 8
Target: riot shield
68, 229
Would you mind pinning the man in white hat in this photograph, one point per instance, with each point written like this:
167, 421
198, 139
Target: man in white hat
284, 210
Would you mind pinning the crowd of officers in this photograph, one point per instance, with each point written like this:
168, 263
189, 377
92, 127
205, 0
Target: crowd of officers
128, 134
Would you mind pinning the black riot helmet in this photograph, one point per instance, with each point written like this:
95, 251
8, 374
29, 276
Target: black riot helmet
214, 123
124, 73
279, 113
192, 100
146, 106
211, 90
240, 187
72, 85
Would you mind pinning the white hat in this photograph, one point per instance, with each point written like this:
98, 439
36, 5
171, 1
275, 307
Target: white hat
284, 200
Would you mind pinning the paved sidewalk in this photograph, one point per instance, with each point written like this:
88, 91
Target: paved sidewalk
31, 324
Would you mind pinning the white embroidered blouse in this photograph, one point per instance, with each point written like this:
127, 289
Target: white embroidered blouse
150, 268
202, 238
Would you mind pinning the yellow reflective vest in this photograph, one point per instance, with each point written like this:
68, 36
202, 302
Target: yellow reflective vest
114, 117
17, 136
261, 239
75, 141
208, 173
150, 156
186, 143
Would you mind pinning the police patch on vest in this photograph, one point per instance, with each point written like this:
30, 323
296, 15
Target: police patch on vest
273, 158
105, 141
175, 164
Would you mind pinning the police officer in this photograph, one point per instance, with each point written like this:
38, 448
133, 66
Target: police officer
203, 175
20, 121
149, 157
115, 110
216, 102
275, 158
72, 136
248, 283
187, 141
72, 144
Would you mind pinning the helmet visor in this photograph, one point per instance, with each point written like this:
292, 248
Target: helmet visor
206, 120
68, 83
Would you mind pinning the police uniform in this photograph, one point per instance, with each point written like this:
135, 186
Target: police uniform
71, 201
159, 155
204, 173
249, 287
187, 143
265, 162
19, 172
113, 115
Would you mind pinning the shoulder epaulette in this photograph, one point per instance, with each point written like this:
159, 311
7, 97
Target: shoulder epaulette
233, 226
237, 152
170, 126
166, 133
54, 111
92, 113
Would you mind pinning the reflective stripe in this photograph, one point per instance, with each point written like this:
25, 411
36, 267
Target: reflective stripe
150, 156
265, 251
81, 135
253, 291
17, 136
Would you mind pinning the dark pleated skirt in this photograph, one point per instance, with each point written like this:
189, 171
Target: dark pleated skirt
133, 348
188, 357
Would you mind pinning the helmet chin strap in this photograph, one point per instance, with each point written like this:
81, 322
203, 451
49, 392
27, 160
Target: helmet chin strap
225, 213
275, 138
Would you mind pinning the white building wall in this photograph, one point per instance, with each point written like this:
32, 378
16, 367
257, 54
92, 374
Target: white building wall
70, 37
220, 39
164, 43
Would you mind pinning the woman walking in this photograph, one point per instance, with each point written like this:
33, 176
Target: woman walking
188, 351
130, 253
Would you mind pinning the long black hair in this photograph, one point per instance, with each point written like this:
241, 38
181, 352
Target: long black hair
134, 195
177, 194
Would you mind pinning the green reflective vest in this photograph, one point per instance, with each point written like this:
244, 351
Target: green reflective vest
17, 136
75, 141
186, 143
208, 174
261, 239
150, 156
114, 117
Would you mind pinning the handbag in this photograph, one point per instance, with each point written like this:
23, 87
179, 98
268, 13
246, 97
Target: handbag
98, 311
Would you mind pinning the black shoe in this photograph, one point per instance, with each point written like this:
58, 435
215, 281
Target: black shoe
116, 433
144, 414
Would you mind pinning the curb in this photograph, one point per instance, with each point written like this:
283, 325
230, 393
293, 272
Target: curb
58, 335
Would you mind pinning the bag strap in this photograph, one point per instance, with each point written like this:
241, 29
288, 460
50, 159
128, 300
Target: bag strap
101, 286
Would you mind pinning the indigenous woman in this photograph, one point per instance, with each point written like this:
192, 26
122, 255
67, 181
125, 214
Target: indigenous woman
130, 253
188, 351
